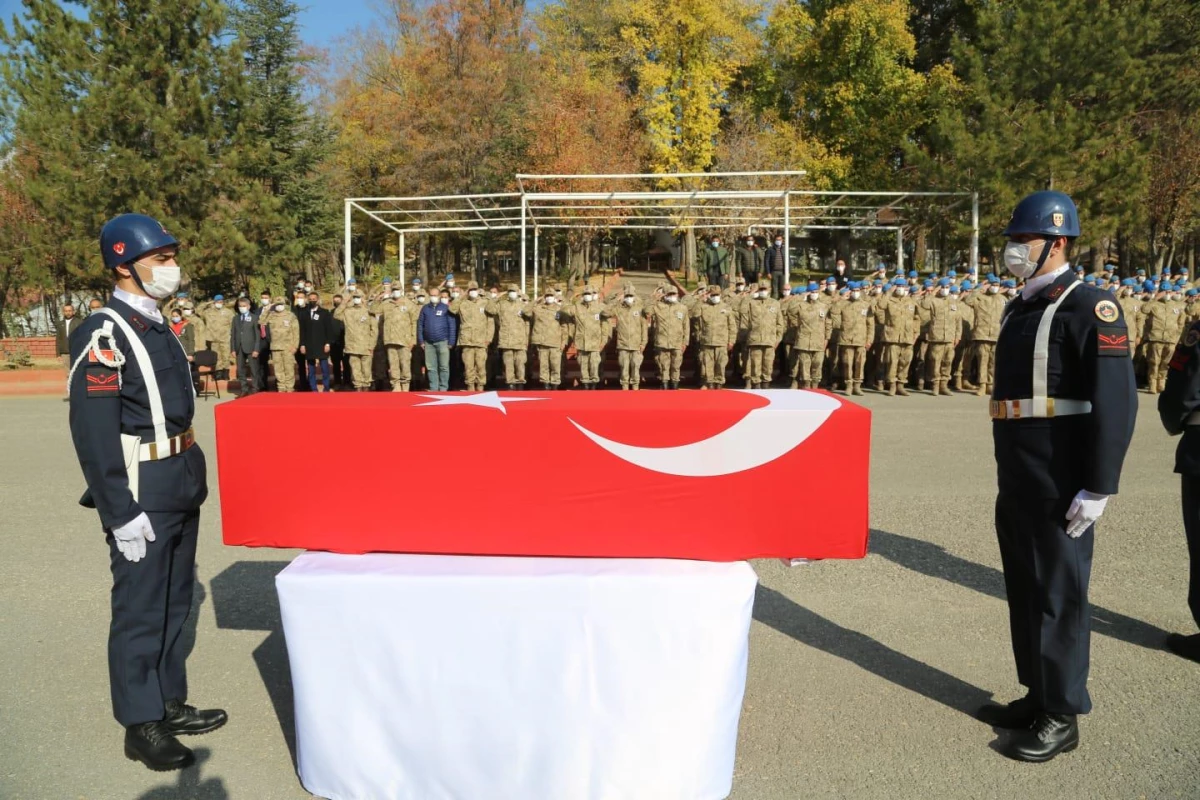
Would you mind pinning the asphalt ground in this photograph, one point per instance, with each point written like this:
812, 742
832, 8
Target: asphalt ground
862, 674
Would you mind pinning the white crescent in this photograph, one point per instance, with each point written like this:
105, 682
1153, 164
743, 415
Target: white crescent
758, 438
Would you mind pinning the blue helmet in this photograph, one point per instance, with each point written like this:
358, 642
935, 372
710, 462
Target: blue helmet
1045, 214
128, 237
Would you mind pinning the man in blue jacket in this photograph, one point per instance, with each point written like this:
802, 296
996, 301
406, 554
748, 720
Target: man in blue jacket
437, 333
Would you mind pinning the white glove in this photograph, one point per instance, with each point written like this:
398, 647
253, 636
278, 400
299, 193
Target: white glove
132, 537
795, 562
1085, 509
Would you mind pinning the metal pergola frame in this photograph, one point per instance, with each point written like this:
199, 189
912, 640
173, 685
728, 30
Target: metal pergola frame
618, 206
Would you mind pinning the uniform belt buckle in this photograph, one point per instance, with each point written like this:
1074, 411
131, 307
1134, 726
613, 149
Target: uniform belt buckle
1049, 406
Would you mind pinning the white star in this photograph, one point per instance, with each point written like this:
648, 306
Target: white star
484, 399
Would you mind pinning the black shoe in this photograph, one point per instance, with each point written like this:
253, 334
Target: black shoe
153, 745
1185, 646
185, 720
1017, 715
1049, 735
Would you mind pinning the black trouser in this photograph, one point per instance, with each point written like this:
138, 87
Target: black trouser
249, 372
1046, 577
341, 371
264, 369
1191, 527
151, 601
777, 285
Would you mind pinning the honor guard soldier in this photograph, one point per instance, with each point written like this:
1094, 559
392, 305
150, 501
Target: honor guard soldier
132, 402
1179, 409
1063, 411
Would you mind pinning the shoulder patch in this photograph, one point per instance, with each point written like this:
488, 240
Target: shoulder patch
101, 381
1112, 341
1106, 311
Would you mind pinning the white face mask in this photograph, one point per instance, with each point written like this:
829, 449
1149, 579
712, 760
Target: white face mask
265, 301
279, 306
163, 281
397, 294
812, 297
215, 305
455, 295
943, 292
855, 295
672, 298
1020, 260
444, 301
714, 299
902, 293
779, 242
512, 295
449, 283
187, 312
493, 295
587, 298
629, 301
301, 303
244, 309
421, 299
357, 301
550, 300
473, 293
993, 289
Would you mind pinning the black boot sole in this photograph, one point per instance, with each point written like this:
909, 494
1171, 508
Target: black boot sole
133, 755
1042, 759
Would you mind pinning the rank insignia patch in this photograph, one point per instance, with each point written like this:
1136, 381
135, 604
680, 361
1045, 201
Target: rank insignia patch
1112, 341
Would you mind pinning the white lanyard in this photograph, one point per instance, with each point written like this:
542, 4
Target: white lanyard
1041, 353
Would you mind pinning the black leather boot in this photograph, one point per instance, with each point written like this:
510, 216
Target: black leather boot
1185, 646
1049, 735
182, 719
1017, 715
153, 745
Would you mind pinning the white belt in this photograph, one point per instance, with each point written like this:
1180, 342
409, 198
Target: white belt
156, 451
1026, 408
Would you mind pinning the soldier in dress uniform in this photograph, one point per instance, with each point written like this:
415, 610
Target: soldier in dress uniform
1063, 410
1179, 410
132, 402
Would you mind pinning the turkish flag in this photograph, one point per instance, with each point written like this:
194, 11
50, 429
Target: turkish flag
716, 476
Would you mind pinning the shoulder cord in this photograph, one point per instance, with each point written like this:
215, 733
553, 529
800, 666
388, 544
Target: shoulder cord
117, 361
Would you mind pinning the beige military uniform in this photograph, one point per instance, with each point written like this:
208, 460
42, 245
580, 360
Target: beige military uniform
943, 327
1162, 327
989, 309
809, 324
361, 332
717, 333
398, 321
670, 323
284, 331
962, 350
591, 334
547, 338
763, 320
632, 335
474, 336
899, 322
1133, 308
218, 323
512, 317
855, 327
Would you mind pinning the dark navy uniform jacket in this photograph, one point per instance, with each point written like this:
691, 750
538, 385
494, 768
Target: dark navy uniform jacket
1181, 398
1051, 458
101, 411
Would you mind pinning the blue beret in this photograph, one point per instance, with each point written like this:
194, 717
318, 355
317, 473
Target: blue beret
218, 297
928, 282
953, 290
1150, 286
878, 282
813, 286
1183, 271
991, 276
912, 273
1141, 272
181, 294
416, 280
951, 274
1010, 284
898, 281
1089, 279
944, 282
1193, 292
387, 280
967, 285
831, 279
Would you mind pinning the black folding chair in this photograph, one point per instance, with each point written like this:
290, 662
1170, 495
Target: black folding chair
205, 364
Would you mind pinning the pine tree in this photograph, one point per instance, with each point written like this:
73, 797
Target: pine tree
124, 107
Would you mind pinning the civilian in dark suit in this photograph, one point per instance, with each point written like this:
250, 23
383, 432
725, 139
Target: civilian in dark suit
62, 337
337, 349
246, 342
264, 355
316, 338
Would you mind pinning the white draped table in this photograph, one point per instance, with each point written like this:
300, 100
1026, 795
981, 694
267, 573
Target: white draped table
489, 678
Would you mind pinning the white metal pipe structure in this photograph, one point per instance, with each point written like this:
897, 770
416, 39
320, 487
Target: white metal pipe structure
524, 202
900, 248
535, 260
787, 239
975, 236
402, 279
346, 261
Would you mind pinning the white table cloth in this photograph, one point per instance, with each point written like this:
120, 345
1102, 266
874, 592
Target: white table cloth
483, 678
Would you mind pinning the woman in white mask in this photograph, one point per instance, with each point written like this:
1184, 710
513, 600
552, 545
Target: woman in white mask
1063, 405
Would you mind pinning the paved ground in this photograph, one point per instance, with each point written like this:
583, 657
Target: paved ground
861, 673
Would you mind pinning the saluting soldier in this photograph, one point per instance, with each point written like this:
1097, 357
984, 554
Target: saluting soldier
1179, 410
132, 402
1064, 407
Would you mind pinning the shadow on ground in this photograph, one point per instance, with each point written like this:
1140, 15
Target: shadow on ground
189, 784
244, 599
933, 560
